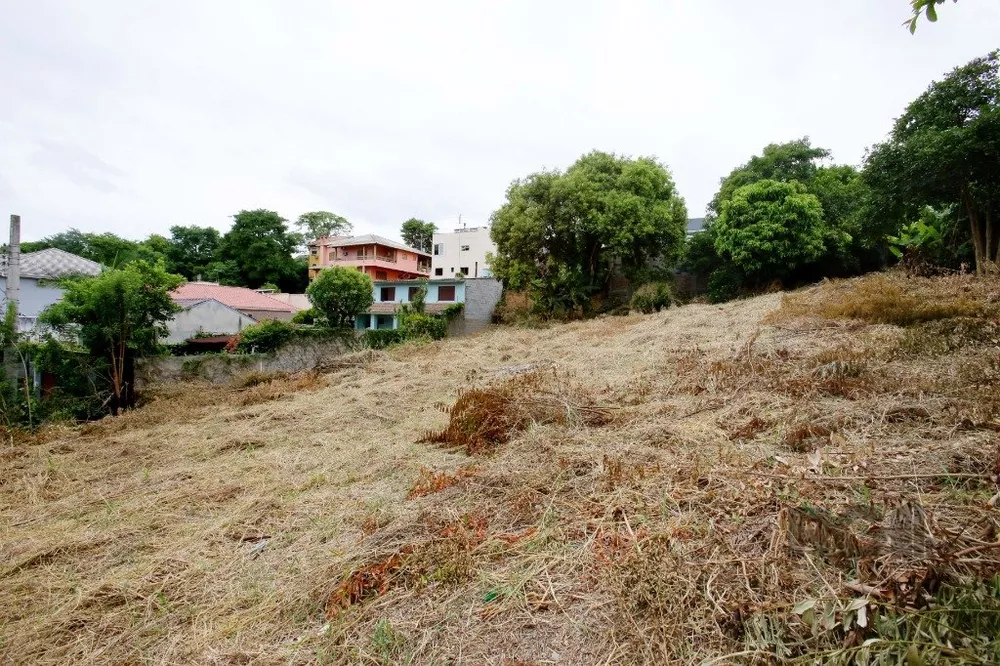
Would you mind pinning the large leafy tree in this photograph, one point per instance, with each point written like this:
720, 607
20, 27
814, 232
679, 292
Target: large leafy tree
945, 151
105, 248
341, 294
560, 233
418, 234
117, 315
322, 223
793, 160
852, 242
192, 250
769, 228
258, 249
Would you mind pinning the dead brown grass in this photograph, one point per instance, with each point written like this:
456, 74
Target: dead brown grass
644, 489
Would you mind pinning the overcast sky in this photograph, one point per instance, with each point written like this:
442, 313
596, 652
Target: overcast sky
134, 116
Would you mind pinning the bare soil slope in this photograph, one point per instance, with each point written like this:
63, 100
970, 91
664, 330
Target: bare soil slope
709, 483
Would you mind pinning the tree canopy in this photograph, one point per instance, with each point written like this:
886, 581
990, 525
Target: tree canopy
560, 233
944, 151
340, 294
418, 234
192, 250
260, 248
769, 228
117, 315
322, 223
105, 248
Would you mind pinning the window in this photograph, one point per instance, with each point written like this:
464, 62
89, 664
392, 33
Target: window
388, 294
465, 248
381, 275
446, 293
452, 269
438, 271
413, 293
464, 270
314, 251
438, 248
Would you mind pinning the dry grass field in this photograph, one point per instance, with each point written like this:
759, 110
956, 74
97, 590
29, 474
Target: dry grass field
802, 478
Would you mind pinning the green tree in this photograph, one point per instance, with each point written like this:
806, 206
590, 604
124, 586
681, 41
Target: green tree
118, 315
322, 223
340, 295
784, 162
192, 250
769, 228
418, 234
106, 248
260, 248
559, 234
945, 151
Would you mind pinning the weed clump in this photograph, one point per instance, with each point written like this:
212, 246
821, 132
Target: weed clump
483, 419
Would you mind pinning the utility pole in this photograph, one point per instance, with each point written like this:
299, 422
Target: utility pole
14, 264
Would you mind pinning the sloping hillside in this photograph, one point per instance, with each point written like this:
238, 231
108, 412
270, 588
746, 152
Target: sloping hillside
720, 483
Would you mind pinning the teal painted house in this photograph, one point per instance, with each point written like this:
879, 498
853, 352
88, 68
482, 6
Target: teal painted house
390, 294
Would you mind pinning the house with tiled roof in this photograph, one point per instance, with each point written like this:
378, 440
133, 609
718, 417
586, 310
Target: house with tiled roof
379, 257
40, 272
248, 301
208, 308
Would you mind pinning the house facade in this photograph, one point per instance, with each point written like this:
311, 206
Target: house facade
39, 272
462, 252
206, 317
378, 257
390, 294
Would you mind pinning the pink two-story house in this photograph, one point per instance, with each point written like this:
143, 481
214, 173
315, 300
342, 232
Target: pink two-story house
380, 258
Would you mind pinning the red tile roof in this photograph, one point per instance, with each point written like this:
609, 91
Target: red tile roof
238, 298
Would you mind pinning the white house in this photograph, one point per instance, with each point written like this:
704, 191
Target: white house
462, 251
208, 316
39, 273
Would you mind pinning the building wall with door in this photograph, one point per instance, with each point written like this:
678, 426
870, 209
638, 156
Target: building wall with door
462, 251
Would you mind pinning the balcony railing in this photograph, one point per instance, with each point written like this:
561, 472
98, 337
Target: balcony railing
366, 257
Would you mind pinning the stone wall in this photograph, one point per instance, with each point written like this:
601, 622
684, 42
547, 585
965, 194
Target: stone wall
296, 356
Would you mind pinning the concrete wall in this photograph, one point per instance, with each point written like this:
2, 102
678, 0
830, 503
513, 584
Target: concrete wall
34, 297
223, 368
206, 317
449, 257
481, 297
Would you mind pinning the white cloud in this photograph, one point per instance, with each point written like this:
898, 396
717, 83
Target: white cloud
131, 117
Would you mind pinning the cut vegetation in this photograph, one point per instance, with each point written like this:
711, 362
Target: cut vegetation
801, 478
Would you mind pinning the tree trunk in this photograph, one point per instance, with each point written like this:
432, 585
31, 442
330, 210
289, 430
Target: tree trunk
984, 237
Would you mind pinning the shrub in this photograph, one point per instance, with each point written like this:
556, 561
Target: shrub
724, 284
307, 317
415, 325
652, 297
383, 337
267, 336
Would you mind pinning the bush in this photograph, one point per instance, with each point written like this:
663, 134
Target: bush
415, 325
267, 336
383, 337
307, 317
652, 297
724, 284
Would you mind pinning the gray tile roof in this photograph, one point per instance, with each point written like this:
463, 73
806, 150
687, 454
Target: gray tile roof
368, 239
52, 263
